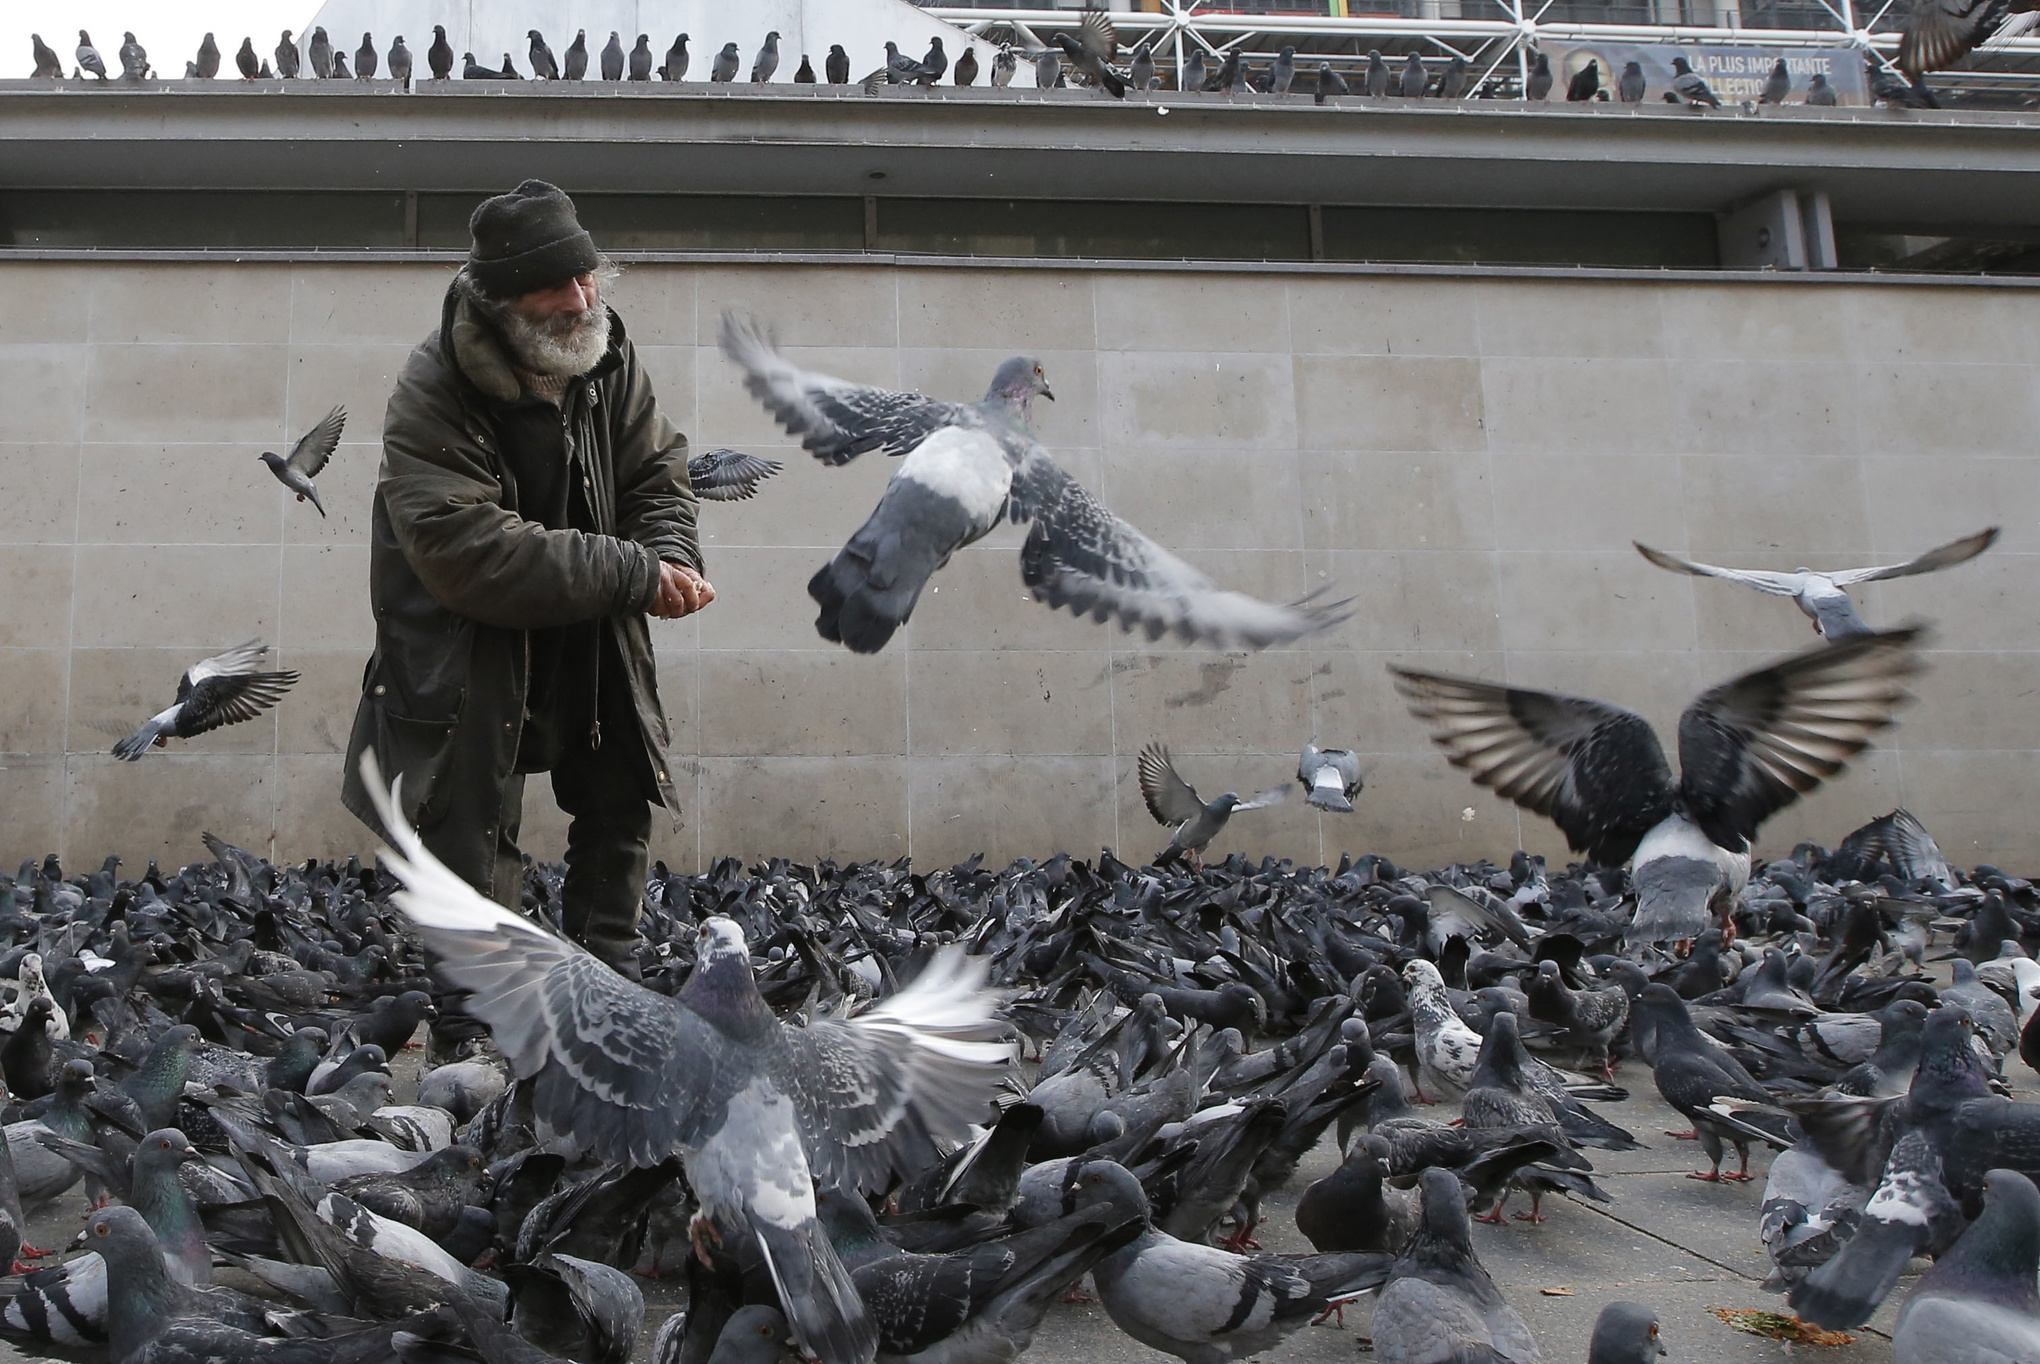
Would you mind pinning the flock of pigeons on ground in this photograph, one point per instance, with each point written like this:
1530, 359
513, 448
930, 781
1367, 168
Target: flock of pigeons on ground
1936, 34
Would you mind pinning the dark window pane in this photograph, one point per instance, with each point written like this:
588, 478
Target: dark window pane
1145, 231
677, 222
1521, 237
195, 219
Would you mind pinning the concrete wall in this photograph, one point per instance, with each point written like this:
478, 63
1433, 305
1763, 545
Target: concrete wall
1467, 457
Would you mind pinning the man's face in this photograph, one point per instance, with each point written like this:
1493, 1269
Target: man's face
576, 297
562, 329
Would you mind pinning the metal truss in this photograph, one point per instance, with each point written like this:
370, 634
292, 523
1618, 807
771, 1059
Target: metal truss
1497, 37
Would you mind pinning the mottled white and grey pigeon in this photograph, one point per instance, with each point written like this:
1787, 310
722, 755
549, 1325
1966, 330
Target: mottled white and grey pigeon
1330, 777
968, 467
1824, 597
225, 689
308, 457
728, 475
1978, 1304
1747, 749
1003, 66
757, 1111
1440, 1306
1175, 804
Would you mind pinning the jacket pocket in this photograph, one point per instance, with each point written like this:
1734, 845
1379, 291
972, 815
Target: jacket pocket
418, 751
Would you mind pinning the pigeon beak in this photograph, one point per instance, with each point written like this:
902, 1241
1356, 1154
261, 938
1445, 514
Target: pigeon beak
1046, 394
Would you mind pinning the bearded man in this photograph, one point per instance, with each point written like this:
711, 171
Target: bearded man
532, 510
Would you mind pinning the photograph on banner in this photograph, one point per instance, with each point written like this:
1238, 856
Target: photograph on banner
1735, 72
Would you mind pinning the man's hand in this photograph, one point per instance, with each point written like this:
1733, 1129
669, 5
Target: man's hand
682, 592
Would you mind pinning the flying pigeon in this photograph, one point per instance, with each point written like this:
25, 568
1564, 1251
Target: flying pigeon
1691, 87
967, 468
287, 60
48, 65
1629, 88
1824, 597
1936, 34
767, 60
640, 58
1092, 49
757, 1111
1439, 1303
400, 61
222, 690
1175, 804
612, 57
308, 457
677, 58
1538, 86
577, 57
1747, 749
1330, 777
727, 476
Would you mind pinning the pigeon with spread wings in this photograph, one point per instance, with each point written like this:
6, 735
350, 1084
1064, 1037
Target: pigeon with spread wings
1175, 803
222, 690
1747, 749
308, 457
756, 1111
1824, 597
968, 467
729, 475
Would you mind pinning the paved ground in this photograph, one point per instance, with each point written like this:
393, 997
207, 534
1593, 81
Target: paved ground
1682, 1246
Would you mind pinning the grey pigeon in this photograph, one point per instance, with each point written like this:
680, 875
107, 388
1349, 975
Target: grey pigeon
287, 60
1439, 1304
1819, 93
641, 58
428, 1196
1625, 1333
1777, 85
1747, 748
208, 63
750, 1106
1175, 804
319, 52
1003, 66
1330, 83
967, 468
1048, 68
767, 60
836, 66
579, 1309
966, 67
1630, 87
544, 66
134, 59
576, 65
365, 58
1590, 1018
226, 689
935, 62
1691, 87
1978, 1305
1282, 74
340, 71
244, 59
1229, 73
1538, 86
308, 457
1141, 73
724, 69
1453, 84
148, 1182
191, 71
804, 74
1193, 71
1585, 84
612, 57
400, 61
1708, 1086
728, 476
1202, 1304
439, 56
1413, 80
1330, 777
754, 1334
264, 74
899, 69
1091, 51
1377, 74
48, 65
677, 60
1824, 597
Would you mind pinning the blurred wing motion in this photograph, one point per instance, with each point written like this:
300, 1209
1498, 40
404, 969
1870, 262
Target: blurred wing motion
317, 445
1170, 799
729, 475
836, 420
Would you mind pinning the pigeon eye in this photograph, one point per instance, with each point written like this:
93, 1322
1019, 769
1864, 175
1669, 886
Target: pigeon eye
99, 1230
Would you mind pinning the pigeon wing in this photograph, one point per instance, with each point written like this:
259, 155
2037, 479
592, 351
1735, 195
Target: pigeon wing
1779, 584
1942, 556
1938, 33
1097, 36
316, 446
1595, 770
729, 475
1752, 746
1170, 799
836, 420
241, 659
1079, 555
229, 699
877, 1093
631, 1074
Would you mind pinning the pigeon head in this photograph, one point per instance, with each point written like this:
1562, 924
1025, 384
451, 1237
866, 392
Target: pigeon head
1996, 1257
1679, 65
1625, 1333
165, 1147
1423, 976
1445, 1222
1106, 1181
1019, 381
753, 1333
275, 461
720, 937
1949, 1070
1501, 1055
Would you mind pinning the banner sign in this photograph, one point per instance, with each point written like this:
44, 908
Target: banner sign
1734, 73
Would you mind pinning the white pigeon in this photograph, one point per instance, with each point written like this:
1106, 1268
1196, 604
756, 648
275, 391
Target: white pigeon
1447, 1049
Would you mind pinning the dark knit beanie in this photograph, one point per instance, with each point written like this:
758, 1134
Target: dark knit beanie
528, 239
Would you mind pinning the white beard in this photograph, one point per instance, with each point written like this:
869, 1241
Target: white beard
559, 347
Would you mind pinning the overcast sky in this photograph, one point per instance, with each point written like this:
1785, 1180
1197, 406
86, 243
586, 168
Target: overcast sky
169, 29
